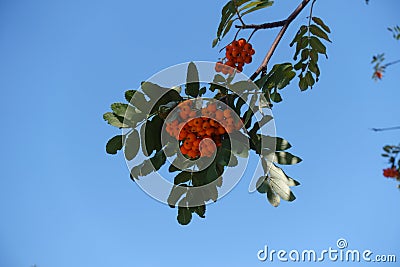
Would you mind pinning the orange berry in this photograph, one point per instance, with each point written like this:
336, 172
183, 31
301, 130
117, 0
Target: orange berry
182, 135
197, 122
229, 121
212, 107
225, 70
219, 115
196, 143
235, 44
192, 114
187, 145
185, 109
183, 150
191, 137
218, 66
212, 123
247, 47
252, 51
221, 130
227, 113
210, 131
235, 52
206, 125
183, 115
242, 42
247, 59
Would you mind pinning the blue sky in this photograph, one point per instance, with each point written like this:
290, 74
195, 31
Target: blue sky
65, 202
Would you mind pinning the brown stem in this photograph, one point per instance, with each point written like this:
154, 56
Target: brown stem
238, 14
267, 25
278, 38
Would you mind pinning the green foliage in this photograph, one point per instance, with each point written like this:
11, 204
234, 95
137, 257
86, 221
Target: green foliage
192, 190
278, 78
308, 47
192, 81
132, 145
230, 14
114, 144
396, 32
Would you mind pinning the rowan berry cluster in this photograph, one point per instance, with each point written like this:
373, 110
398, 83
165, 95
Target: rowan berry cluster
201, 131
237, 54
391, 173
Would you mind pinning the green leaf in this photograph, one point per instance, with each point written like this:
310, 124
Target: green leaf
259, 124
241, 86
202, 91
136, 99
182, 177
233, 161
201, 211
150, 134
184, 215
215, 42
300, 45
289, 75
281, 188
132, 145
114, 144
317, 31
280, 143
303, 84
292, 182
119, 109
158, 160
300, 33
310, 79
317, 45
276, 97
115, 120
258, 7
314, 55
321, 23
227, 27
272, 197
176, 193
262, 185
192, 81
286, 158
152, 90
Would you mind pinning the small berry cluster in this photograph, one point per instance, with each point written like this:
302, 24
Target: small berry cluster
391, 173
200, 132
237, 54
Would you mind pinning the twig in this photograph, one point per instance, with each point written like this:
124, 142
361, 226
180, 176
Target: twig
385, 129
238, 14
267, 25
251, 35
278, 38
392, 63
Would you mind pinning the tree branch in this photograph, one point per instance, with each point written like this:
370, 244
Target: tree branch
278, 38
267, 25
385, 129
